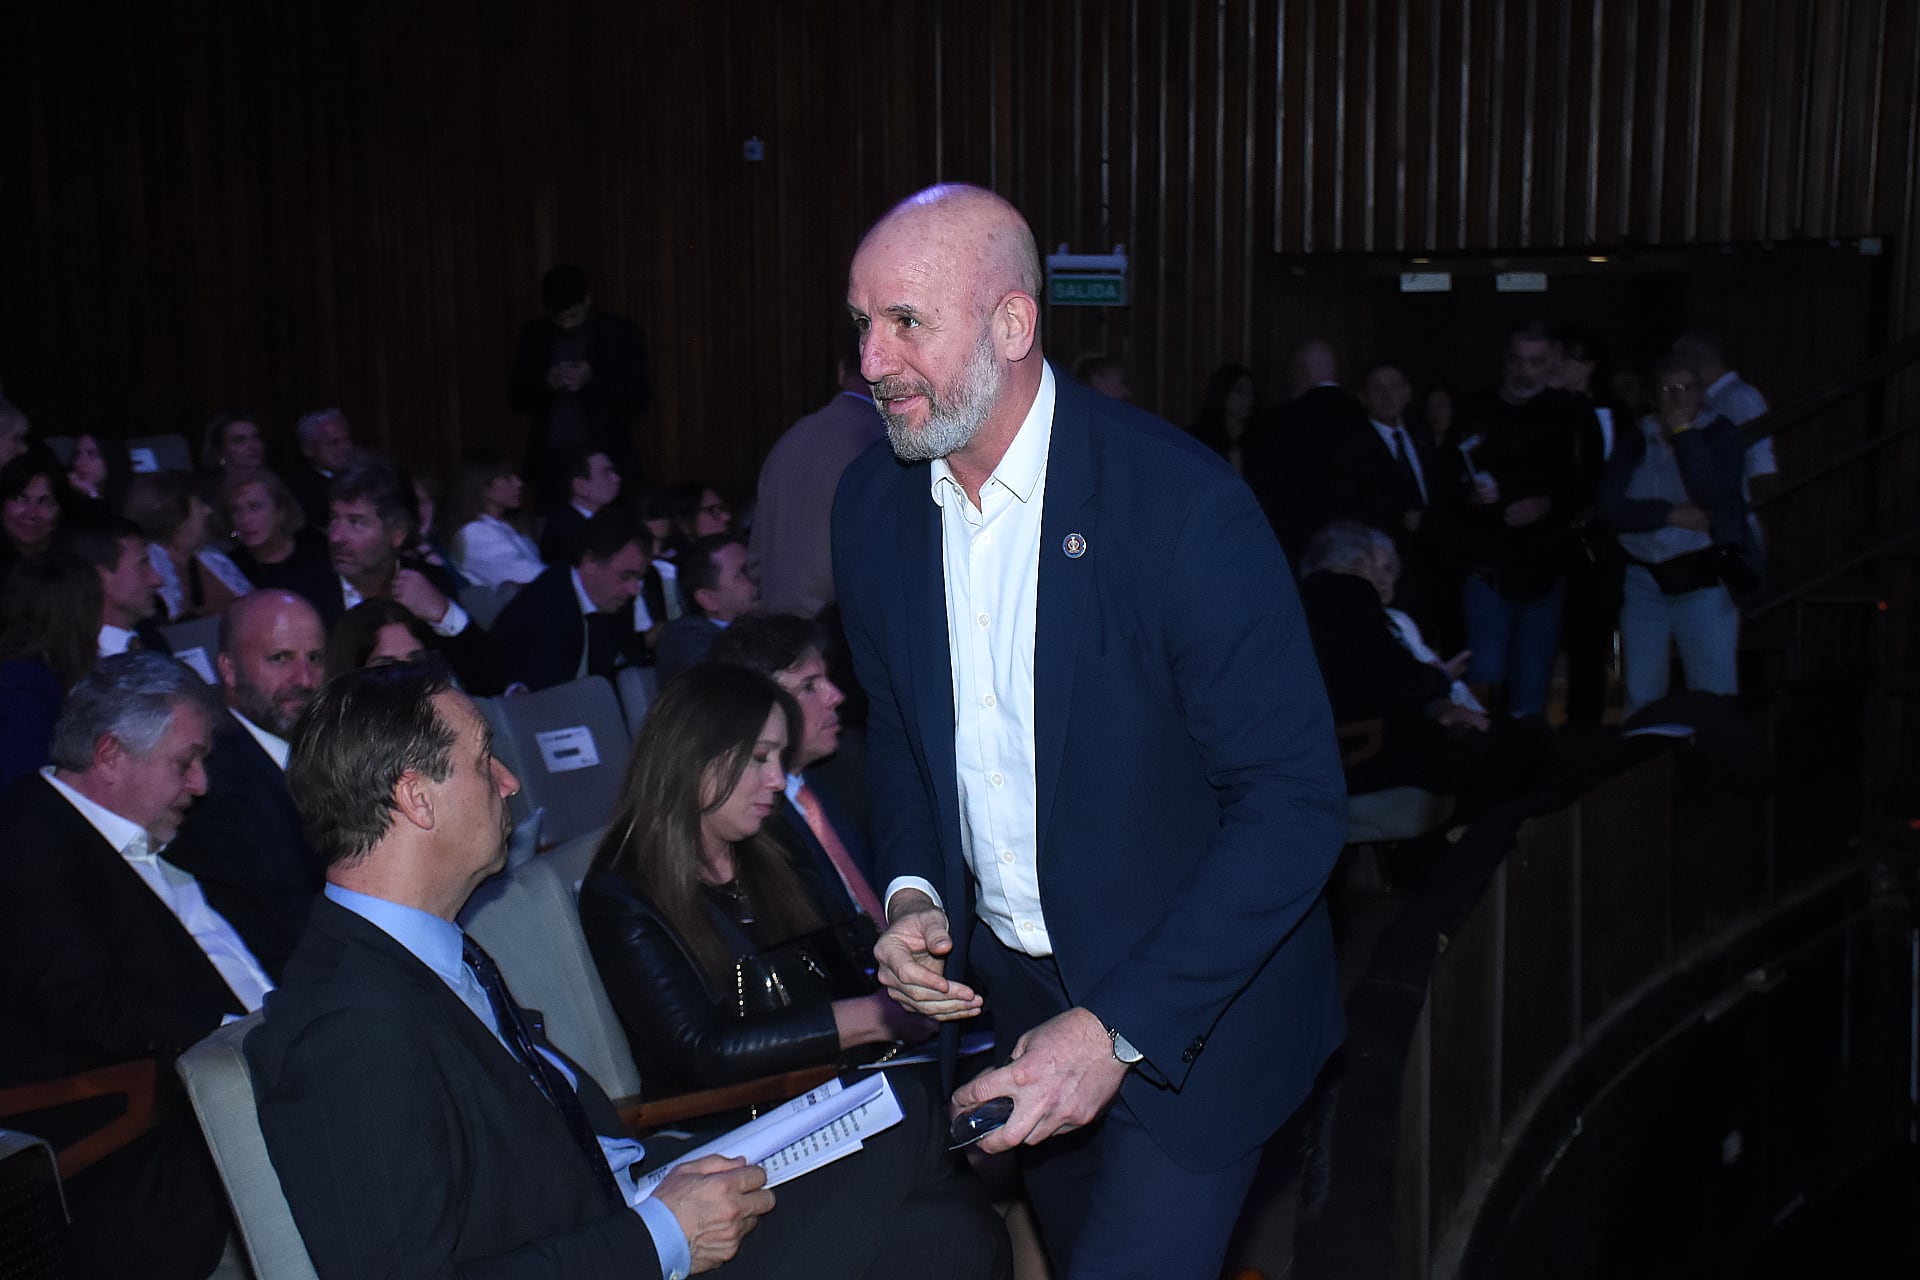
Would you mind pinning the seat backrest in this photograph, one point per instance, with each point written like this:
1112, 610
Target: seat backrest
483, 604
572, 859
221, 1090
160, 453
637, 687
196, 642
568, 746
527, 921
33, 1212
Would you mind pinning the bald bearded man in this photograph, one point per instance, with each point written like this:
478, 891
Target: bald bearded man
1105, 785
243, 840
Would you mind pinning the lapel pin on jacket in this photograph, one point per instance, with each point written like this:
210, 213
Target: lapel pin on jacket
1074, 545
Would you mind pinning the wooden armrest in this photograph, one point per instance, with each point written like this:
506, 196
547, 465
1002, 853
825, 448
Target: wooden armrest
137, 1081
1359, 741
639, 1116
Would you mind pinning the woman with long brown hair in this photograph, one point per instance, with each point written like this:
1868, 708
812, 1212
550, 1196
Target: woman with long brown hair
49, 637
720, 959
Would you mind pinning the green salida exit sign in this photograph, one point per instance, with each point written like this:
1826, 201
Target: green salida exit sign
1081, 289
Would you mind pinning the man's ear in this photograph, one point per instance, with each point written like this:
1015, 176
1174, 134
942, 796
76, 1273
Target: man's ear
108, 752
397, 536
704, 598
1017, 325
229, 676
413, 799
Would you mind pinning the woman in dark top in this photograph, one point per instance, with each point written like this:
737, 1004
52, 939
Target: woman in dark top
51, 612
685, 886
1227, 409
33, 495
376, 633
270, 543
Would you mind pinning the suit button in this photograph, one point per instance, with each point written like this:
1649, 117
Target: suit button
1189, 1054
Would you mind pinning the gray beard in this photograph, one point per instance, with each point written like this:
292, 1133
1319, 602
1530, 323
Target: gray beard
950, 427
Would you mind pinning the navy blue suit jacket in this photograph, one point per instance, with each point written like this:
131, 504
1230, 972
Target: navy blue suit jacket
1190, 798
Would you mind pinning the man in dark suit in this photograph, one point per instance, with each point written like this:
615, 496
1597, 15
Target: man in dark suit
590, 483
1097, 727
129, 584
325, 438
579, 620
1384, 477
243, 841
808, 820
374, 515
580, 373
418, 1119
716, 589
110, 952
1289, 459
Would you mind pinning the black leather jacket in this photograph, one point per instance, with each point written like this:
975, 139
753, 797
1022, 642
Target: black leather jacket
685, 1034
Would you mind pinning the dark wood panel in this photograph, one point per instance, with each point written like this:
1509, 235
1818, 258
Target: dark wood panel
1542, 955
1464, 1076
1625, 899
281, 207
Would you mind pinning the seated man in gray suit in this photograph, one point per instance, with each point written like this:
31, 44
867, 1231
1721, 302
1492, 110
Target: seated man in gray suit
420, 1122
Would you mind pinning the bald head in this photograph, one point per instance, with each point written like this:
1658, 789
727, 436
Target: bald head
1311, 365
987, 234
272, 656
944, 291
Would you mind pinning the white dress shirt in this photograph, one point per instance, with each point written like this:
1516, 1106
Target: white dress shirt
490, 551
272, 743
991, 555
114, 640
451, 623
180, 894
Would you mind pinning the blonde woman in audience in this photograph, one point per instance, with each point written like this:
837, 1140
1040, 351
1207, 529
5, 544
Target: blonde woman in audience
489, 547
269, 539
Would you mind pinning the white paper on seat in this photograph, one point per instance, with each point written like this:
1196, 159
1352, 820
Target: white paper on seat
815, 1129
565, 750
197, 659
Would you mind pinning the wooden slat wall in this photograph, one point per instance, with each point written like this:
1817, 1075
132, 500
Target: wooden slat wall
284, 206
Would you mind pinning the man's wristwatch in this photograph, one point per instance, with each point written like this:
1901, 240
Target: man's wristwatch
1123, 1052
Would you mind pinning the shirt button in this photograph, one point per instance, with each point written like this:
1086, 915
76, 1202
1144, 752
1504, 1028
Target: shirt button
1006, 855
988, 700
996, 779
984, 619
985, 538
1026, 926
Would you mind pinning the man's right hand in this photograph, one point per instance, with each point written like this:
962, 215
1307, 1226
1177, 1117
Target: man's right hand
421, 597
912, 958
716, 1201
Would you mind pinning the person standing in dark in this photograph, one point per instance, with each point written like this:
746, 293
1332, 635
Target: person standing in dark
1525, 475
1594, 562
580, 373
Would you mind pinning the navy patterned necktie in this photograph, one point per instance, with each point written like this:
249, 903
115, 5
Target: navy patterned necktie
546, 1077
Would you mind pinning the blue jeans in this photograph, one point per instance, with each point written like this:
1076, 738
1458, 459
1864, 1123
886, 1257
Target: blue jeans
1704, 625
1513, 643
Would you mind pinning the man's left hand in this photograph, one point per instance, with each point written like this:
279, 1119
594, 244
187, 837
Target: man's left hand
1063, 1076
